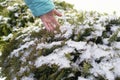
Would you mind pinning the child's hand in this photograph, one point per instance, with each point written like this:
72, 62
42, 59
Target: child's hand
49, 20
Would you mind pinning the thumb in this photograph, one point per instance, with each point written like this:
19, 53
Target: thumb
57, 13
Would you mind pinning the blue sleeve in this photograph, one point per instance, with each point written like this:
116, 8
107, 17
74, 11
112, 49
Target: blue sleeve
40, 7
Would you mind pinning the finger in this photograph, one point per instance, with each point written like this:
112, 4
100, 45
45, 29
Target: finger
57, 13
54, 21
46, 26
51, 27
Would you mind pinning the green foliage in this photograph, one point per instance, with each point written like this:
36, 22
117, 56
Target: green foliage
114, 36
4, 30
63, 5
86, 67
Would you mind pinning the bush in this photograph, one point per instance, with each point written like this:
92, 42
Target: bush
85, 46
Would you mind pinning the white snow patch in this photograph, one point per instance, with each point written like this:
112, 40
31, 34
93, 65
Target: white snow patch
23, 69
16, 14
106, 69
115, 28
82, 78
10, 8
0, 53
99, 27
97, 33
77, 45
67, 30
116, 65
26, 45
7, 37
93, 52
116, 45
31, 28
30, 77
118, 34
57, 57
48, 45
106, 40
1, 17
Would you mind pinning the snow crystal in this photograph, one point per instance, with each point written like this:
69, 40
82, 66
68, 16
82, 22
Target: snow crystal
1, 17
23, 59
10, 8
103, 69
99, 27
31, 29
57, 57
7, 37
84, 26
102, 19
6, 19
82, 78
46, 45
26, 45
27, 78
97, 33
26, 39
30, 77
16, 14
116, 45
106, 40
77, 45
67, 30
116, 64
93, 52
22, 70
118, 34
115, 28
14, 78
0, 53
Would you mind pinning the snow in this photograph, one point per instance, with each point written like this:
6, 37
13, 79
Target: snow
0, 53
23, 69
25, 46
10, 8
1, 17
107, 69
116, 45
82, 78
114, 28
105, 40
31, 29
48, 45
109, 56
93, 52
16, 14
30, 77
118, 34
67, 29
76, 45
7, 37
57, 57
